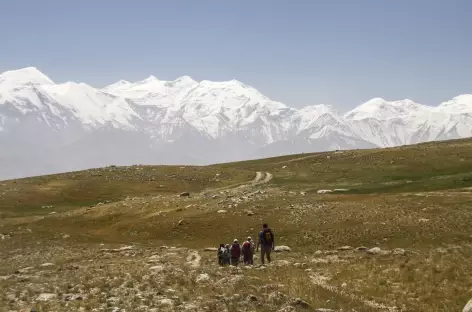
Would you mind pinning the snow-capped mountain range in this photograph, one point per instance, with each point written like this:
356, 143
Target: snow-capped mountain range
47, 127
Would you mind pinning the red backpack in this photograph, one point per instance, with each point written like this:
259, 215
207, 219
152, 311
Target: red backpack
235, 250
246, 247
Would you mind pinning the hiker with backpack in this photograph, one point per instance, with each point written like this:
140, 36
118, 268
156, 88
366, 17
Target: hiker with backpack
248, 251
266, 242
223, 255
235, 252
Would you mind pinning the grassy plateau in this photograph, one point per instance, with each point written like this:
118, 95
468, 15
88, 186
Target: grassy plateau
368, 230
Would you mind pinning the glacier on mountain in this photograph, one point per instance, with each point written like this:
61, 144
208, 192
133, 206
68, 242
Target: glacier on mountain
47, 127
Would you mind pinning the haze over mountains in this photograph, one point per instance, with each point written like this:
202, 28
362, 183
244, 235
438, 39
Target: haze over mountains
48, 128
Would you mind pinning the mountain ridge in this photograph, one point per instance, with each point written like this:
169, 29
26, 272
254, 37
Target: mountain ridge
204, 122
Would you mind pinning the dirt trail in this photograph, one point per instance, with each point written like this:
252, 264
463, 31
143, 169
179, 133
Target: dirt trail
260, 178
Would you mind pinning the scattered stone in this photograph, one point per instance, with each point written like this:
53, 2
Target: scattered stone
166, 302
46, 297
250, 213
157, 268
5, 236
25, 270
202, 278
184, 194
423, 220
47, 265
374, 251
441, 250
284, 167
282, 248
341, 190
121, 249
300, 303
399, 252
468, 307
210, 249
180, 222
222, 211
303, 193
342, 248
324, 191
252, 298
362, 248
72, 297
113, 300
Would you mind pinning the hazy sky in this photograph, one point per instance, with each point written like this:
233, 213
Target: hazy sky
297, 52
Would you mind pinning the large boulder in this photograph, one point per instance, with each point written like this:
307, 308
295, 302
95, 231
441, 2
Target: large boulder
468, 307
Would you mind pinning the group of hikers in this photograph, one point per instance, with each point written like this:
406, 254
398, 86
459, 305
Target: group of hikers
231, 254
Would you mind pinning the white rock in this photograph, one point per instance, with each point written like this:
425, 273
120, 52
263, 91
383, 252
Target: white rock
46, 297
399, 252
202, 278
166, 302
113, 300
345, 248
282, 248
324, 191
468, 307
157, 268
222, 211
374, 251
26, 270
46, 265
126, 248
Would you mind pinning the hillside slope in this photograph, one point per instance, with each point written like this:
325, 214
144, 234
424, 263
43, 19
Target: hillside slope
389, 231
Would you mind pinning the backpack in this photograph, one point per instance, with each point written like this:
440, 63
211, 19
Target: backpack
267, 237
246, 247
235, 251
221, 251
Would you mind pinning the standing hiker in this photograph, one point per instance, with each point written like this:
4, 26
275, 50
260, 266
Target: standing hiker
223, 255
235, 252
248, 251
266, 241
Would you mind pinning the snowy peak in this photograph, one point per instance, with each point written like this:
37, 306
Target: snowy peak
458, 105
181, 81
25, 76
91, 106
381, 109
116, 86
